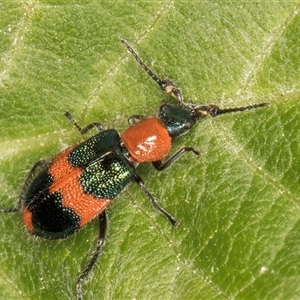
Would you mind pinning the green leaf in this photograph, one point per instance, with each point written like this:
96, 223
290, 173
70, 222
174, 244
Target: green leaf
238, 204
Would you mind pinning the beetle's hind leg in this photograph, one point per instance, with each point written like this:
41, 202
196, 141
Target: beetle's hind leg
101, 239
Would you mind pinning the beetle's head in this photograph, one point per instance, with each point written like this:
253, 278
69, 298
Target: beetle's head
178, 118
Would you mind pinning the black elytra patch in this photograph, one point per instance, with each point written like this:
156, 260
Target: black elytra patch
51, 219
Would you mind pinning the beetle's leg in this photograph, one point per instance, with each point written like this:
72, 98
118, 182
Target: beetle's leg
9, 210
35, 170
85, 129
135, 119
141, 183
40, 166
101, 239
166, 85
159, 165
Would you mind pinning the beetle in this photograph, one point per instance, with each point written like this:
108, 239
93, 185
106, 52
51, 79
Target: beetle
63, 194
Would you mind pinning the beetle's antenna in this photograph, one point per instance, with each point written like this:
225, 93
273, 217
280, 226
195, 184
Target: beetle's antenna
9, 210
213, 110
142, 64
166, 85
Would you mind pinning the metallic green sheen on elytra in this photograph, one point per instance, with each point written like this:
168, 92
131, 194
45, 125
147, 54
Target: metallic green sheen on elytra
94, 147
107, 176
105, 169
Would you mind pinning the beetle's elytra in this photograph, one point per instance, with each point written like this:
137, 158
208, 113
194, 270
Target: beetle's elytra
61, 195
